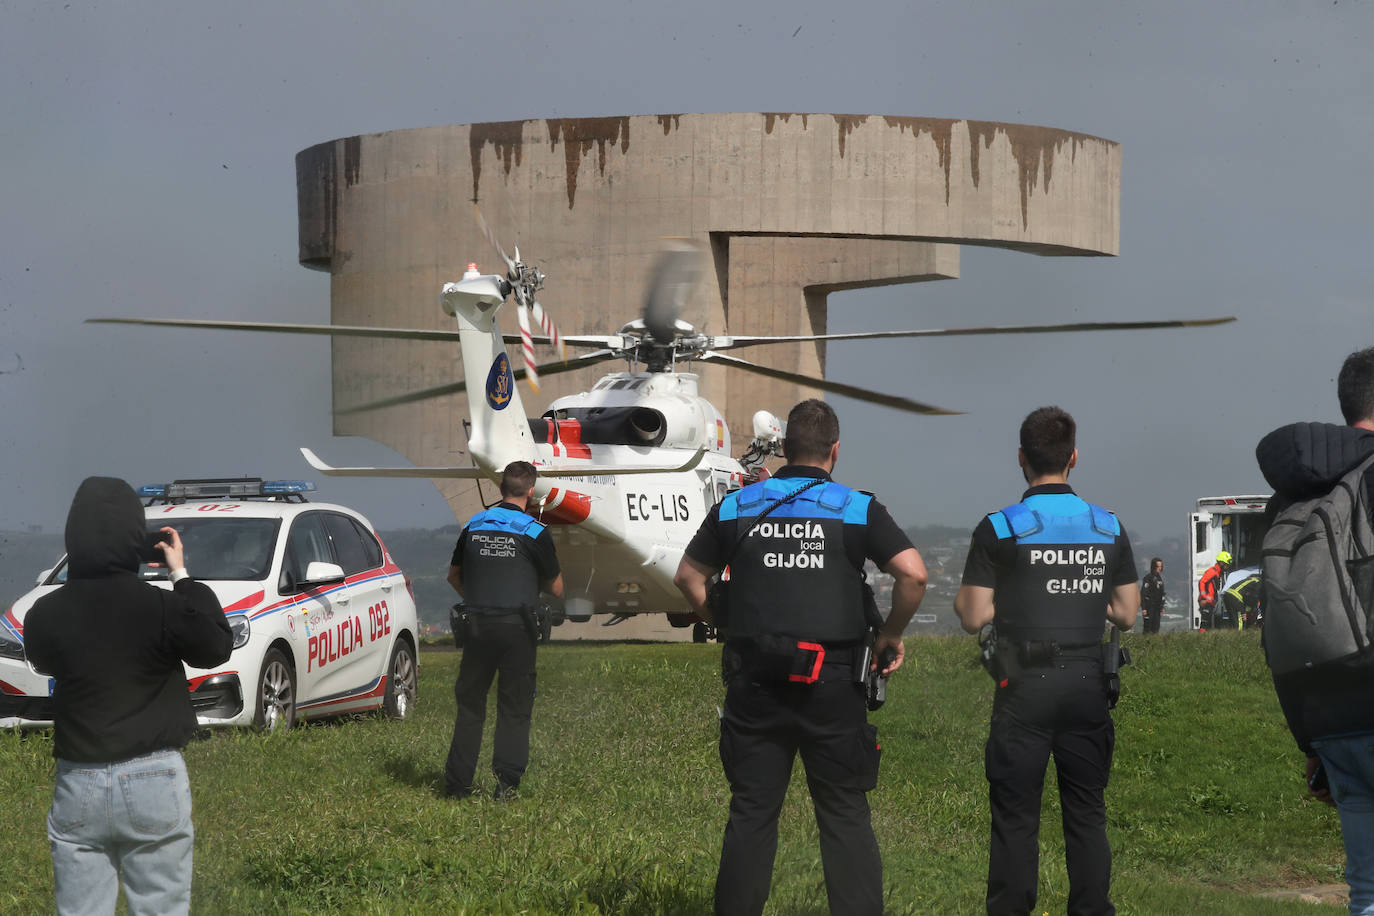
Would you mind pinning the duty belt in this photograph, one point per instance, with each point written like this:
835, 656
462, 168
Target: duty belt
795, 661
488, 611
1038, 653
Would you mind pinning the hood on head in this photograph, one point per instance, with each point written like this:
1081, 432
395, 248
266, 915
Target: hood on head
105, 528
1304, 460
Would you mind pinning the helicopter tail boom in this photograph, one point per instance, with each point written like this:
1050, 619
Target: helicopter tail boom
500, 431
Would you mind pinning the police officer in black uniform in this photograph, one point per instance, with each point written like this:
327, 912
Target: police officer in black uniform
502, 560
1152, 595
796, 630
1045, 571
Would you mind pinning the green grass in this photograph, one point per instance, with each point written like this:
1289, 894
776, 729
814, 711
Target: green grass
623, 807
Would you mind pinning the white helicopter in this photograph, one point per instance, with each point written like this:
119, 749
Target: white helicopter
629, 469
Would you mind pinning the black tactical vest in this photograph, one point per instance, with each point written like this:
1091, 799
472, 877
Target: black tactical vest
791, 575
498, 559
1058, 588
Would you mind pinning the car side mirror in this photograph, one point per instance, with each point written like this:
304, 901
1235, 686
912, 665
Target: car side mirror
318, 573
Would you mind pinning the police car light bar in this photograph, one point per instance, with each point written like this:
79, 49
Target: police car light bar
225, 488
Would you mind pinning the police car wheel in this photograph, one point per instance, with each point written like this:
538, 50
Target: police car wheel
276, 706
699, 632
400, 682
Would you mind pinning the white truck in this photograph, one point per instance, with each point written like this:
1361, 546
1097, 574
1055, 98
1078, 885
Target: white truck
1234, 524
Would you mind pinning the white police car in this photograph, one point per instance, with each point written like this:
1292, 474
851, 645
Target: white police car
324, 620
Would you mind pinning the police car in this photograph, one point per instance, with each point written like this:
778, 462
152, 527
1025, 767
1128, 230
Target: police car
324, 621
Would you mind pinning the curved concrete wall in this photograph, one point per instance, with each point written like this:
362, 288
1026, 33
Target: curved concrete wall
788, 206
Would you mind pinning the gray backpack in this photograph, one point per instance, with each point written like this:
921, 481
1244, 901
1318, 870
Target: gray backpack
1318, 568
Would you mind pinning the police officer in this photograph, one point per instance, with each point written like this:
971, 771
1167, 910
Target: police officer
1152, 595
1045, 571
796, 628
502, 560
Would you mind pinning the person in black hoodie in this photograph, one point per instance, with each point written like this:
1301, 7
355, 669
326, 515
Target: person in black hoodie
1330, 710
115, 645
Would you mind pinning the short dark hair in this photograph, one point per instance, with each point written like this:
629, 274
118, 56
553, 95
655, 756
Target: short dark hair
812, 428
1047, 439
1355, 386
518, 478
1153, 561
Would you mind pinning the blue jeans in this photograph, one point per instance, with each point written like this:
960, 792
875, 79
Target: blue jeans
1349, 766
128, 821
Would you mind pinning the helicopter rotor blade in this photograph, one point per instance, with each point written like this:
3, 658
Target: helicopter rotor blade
674, 277
344, 330
579, 362
331, 330
491, 237
728, 342
849, 391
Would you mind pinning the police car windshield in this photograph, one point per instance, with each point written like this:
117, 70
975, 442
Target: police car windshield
222, 548
232, 549
216, 548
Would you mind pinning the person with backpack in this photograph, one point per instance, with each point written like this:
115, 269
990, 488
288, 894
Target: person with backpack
1316, 608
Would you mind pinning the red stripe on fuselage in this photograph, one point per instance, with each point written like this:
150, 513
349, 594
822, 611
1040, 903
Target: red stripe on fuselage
569, 440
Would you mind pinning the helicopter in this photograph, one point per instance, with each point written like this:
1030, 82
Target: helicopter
628, 469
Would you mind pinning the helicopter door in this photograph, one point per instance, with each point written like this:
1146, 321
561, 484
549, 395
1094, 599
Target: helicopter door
1202, 552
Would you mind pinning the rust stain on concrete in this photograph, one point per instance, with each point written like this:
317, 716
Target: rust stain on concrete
846, 125
353, 160
1031, 147
668, 122
578, 135
507, 137
940, 130
772, 117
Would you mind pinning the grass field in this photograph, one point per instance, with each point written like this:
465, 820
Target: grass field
624, 803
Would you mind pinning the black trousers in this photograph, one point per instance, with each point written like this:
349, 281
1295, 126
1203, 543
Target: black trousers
1059, 711
763, 729
1152, 619
496, 647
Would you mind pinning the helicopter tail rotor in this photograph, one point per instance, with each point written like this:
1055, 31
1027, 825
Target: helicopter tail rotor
526, 280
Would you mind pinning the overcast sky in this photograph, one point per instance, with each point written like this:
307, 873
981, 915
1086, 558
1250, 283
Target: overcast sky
147, 154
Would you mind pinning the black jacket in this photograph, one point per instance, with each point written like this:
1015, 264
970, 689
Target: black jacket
114, 643
1152, 593
1303, 461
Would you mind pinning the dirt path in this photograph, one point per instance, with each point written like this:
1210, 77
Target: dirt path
1321, 893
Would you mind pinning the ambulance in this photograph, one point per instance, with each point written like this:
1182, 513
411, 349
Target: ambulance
1234, 524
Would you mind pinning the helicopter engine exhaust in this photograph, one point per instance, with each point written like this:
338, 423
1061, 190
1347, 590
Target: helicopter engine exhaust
602, 426
646, 425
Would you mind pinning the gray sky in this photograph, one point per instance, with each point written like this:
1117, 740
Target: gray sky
148, 160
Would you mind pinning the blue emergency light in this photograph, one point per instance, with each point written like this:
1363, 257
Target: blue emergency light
225, 488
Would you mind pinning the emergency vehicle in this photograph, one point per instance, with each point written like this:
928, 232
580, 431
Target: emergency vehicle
324, 621
1234, 524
